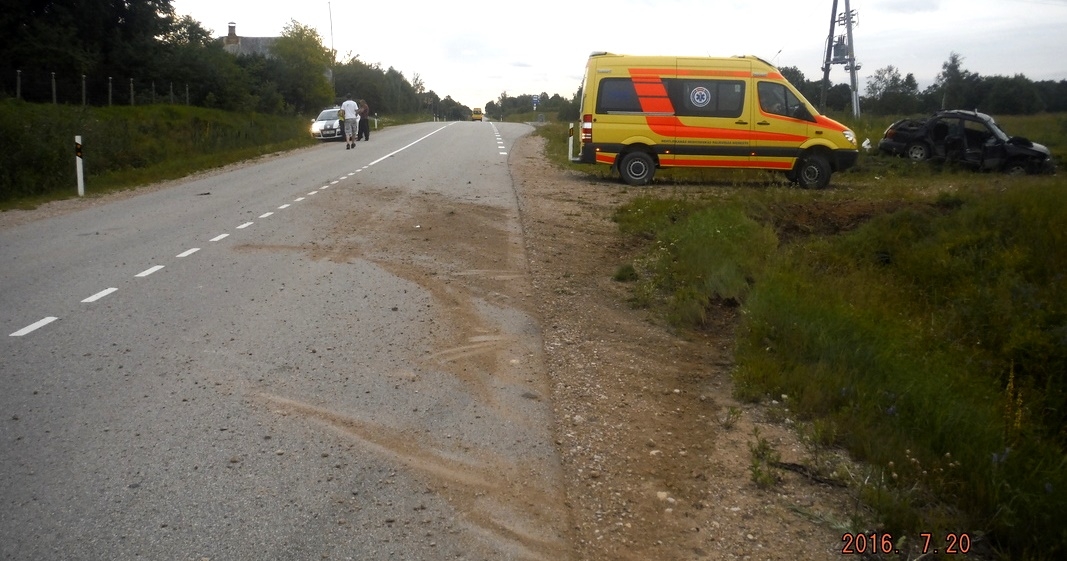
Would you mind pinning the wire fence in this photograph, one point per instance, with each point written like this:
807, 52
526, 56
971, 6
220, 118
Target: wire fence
52, 87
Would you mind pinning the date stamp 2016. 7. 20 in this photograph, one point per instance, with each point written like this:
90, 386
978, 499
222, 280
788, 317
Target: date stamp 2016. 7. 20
874, 543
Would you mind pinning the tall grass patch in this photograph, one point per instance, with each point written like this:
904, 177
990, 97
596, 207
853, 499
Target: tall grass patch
125, 146
936, 341
701, 253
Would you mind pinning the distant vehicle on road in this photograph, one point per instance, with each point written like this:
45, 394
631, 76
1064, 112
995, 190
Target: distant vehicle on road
327, 126
969, 138
476, 114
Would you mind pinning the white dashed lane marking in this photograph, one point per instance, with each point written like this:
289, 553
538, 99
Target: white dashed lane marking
41, 323
34, 326
99, 295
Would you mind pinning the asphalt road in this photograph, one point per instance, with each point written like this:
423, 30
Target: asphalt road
308, 357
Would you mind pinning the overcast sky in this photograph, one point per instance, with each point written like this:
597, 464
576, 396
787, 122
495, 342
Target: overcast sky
475, 50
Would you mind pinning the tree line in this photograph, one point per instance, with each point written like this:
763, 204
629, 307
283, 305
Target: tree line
102, 52
888, 93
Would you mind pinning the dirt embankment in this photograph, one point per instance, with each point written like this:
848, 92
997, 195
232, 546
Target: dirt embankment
656, 464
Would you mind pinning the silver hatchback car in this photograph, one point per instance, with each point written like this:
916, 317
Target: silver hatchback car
326, 126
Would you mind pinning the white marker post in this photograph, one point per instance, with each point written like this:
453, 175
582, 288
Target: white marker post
78, 164
570, 142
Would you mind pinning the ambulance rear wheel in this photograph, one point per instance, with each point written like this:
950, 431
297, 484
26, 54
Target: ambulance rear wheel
813, 172
637, 168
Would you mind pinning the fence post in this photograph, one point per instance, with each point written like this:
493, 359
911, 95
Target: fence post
109, 89
53, 88
131, 91
83, 89
18, 84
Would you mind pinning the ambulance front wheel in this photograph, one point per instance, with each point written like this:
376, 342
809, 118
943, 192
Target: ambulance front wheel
813, 172
637, 168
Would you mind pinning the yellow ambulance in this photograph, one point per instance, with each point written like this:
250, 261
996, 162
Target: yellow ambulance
640, 113
476, 114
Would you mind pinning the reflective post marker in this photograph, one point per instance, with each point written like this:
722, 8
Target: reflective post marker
78, 165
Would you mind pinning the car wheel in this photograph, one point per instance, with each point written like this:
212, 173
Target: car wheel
1016, 167
813, 172
917, 151
637, 168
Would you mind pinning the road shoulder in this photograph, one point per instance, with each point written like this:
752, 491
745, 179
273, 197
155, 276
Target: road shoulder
656, 465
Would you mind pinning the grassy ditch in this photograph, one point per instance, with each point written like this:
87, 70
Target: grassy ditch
934, 342
915, 316
126, 146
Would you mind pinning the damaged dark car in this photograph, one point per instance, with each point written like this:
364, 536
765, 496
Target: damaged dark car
966, 138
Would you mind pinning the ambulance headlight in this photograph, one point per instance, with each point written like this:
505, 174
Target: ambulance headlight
850, 136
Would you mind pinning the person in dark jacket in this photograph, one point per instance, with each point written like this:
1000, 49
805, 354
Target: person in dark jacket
364, 121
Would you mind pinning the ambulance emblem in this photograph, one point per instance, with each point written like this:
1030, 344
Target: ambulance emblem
700, 96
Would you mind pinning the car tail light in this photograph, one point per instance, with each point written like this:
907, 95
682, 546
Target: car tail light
587, 128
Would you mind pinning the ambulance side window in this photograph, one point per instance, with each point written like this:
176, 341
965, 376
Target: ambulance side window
617, 95
777, 99
707, 98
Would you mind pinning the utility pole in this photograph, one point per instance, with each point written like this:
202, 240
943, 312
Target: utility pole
841, 50
852, 66
333, 51
828, 59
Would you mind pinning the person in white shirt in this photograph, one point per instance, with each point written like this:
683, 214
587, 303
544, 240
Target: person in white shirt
351, 110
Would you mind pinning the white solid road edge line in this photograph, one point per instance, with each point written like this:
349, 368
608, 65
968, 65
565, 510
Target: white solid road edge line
99, 295
34, 327
149, 271
189, 252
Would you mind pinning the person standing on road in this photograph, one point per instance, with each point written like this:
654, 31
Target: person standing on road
351, 111
363, 131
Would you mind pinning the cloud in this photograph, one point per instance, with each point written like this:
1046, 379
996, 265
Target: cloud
465, 48
909, 6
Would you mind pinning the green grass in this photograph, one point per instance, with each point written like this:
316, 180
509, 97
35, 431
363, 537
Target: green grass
916, 314
124, 147
906, 332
